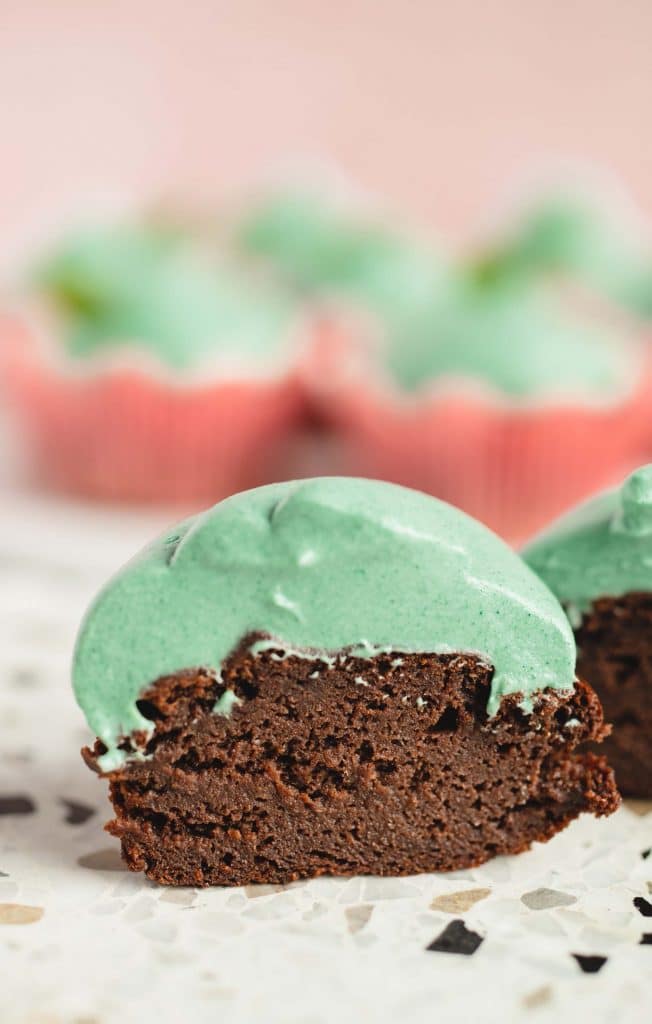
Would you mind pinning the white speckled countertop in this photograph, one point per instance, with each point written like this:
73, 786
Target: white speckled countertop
82, 941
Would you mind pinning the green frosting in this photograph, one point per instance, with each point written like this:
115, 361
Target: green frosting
602, 548
497, 331
319, 248
155, 289
516, 341
319, 565
564, 234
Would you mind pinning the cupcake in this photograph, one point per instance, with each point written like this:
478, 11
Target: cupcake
333, 676
342, 252
503, 400
565, 235
143, 366
590, 243
490, 390
597, 560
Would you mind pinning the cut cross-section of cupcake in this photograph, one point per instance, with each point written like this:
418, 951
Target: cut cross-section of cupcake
597, 559
334, 676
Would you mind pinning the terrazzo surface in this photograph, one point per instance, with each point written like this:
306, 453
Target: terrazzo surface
558, 934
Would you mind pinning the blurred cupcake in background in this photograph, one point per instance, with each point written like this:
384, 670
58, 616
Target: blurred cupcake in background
342, 256
364, 278
589, 237
586, 239
478, 383
499, 399
142, 365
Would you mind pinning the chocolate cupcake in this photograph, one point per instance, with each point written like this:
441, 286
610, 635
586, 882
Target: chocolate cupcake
333, 676
598, 561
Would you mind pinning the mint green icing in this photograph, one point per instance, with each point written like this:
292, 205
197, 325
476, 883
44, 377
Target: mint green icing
602, 548
321, 248
565, 234
320, 565
226, 703
435, 322
517, 342
157, 290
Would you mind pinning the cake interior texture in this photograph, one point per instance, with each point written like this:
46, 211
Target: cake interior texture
615, 654
387, 765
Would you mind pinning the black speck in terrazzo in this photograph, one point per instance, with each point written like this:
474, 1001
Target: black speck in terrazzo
643, 906
456, 938
16, 805
590, 964
77, 813
646, 939
4, 874
646, 853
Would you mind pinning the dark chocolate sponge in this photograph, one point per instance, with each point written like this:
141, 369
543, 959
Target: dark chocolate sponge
615, 654
384, 766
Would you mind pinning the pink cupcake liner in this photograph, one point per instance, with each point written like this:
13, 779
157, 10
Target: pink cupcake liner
512, 467
123, 434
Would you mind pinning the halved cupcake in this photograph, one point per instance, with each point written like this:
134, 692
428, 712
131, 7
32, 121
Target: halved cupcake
333, 676
597, 559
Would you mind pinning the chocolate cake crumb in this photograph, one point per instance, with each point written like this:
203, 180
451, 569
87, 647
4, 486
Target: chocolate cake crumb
615, 656
456, 938
311, 774
590, 964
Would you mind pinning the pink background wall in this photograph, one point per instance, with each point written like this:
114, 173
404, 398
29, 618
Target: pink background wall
436, 105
